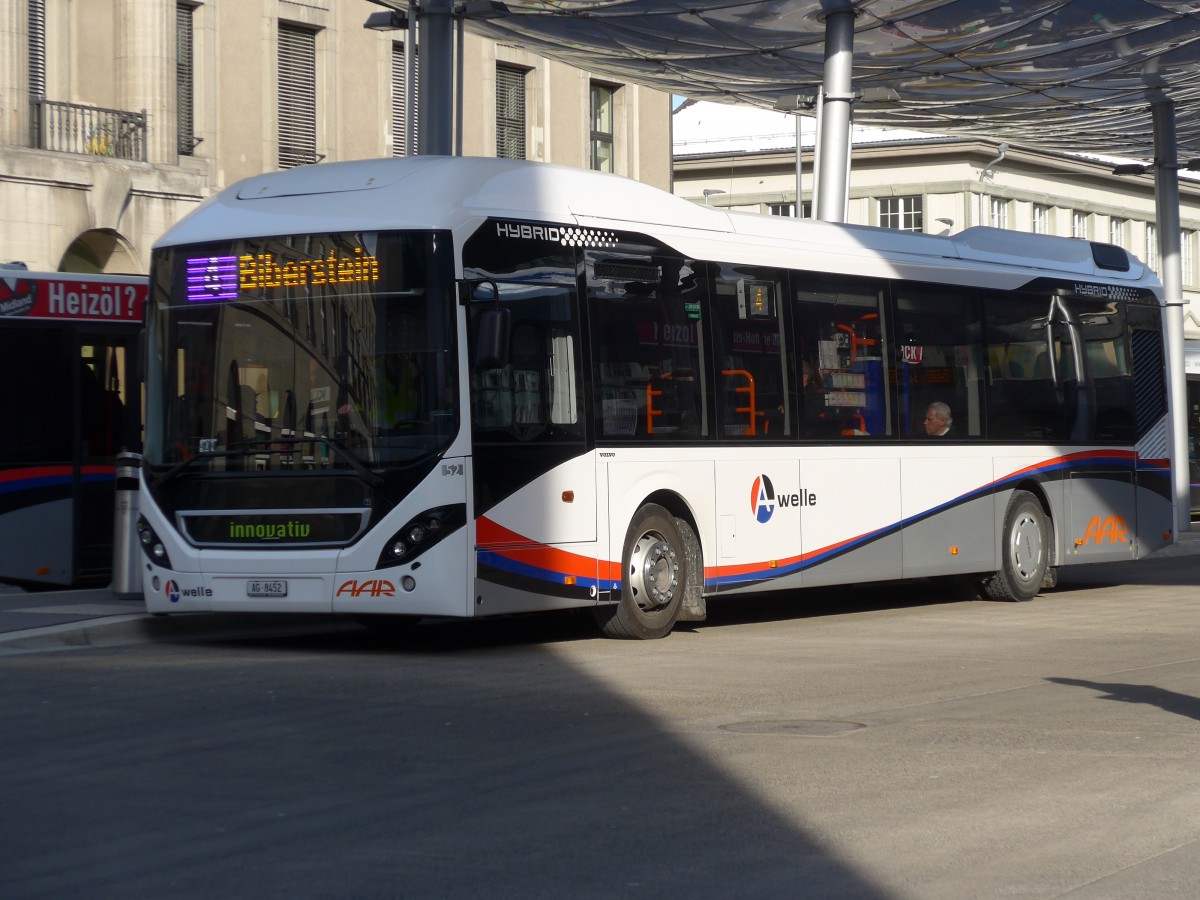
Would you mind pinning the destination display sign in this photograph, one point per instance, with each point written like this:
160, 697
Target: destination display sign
212, 278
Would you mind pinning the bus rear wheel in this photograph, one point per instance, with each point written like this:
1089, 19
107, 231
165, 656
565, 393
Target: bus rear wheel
1024, 551
654, 573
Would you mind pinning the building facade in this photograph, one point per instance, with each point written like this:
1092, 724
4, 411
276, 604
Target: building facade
118, 117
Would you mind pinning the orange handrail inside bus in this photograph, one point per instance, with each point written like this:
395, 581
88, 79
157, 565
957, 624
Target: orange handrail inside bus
855, 340
752, 428
651, 412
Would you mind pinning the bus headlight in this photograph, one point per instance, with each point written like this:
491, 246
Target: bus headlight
151, 545
421, 532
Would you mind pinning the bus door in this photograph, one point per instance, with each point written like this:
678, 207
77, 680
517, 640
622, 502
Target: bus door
1091, 367
108, 417
534, 483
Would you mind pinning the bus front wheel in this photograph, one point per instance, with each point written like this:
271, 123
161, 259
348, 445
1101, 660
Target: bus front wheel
1024, 551
654, 573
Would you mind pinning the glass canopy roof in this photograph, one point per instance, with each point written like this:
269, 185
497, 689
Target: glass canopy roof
1069, 75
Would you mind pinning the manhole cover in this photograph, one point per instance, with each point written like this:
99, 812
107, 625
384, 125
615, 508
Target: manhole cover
803, 727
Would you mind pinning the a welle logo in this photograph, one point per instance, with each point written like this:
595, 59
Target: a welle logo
176, 592
269, 531
764, 501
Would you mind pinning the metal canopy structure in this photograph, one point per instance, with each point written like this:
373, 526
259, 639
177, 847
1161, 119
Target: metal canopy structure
1066, 75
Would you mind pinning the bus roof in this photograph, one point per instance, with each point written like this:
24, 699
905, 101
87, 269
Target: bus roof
459, 193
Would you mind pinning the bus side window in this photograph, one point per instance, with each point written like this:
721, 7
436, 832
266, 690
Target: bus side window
1032, 392
534, 395
837, 328
755, 374
938, 359
649, 368
1102, 328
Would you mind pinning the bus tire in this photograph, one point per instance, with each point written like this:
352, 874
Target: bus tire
1024, 551
654, 575
692, 607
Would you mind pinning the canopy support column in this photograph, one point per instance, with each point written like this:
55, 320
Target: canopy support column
435, 58
837, 95
1166, 201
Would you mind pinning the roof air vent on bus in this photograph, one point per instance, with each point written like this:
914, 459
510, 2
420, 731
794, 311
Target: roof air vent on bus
1110, 256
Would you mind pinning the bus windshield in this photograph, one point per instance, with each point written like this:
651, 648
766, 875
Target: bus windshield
327, 351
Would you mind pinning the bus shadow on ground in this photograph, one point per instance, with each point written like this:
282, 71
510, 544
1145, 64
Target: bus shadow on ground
448, 636
1166, 571
440, 636
242, 771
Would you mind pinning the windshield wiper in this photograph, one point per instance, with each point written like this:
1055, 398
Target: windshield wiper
247, 448
372, 478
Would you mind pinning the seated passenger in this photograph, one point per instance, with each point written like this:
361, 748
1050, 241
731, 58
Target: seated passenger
938, 421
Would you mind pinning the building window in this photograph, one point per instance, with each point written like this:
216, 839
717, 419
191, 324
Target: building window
1187, 245
1041, 219
602, 127
403, 144
510, 112
1152, 259
184, 80
789, 209
998, 212
297, 96
37, 49
1079, 225
901, 213
1116, 231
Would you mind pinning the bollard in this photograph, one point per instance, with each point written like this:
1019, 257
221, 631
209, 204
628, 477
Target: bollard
126, 570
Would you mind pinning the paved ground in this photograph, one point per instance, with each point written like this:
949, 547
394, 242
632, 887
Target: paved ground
876, 742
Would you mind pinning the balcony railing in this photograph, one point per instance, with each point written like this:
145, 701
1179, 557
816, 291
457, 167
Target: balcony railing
71, 128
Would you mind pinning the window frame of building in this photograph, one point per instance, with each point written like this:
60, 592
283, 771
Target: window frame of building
37, 50
1079, 224
185, 79
1187, 257
402, 143
602, 98
1041, 218
787, 210
510, 111
297, 95
902, 213
998, 212
1152, 257
1118, 230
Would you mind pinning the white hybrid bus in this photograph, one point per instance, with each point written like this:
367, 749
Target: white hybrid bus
467, 387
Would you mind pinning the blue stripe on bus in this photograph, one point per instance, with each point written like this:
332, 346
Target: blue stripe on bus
1076, 462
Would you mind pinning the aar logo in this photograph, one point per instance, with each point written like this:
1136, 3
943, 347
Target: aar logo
1110, 528
762, 498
